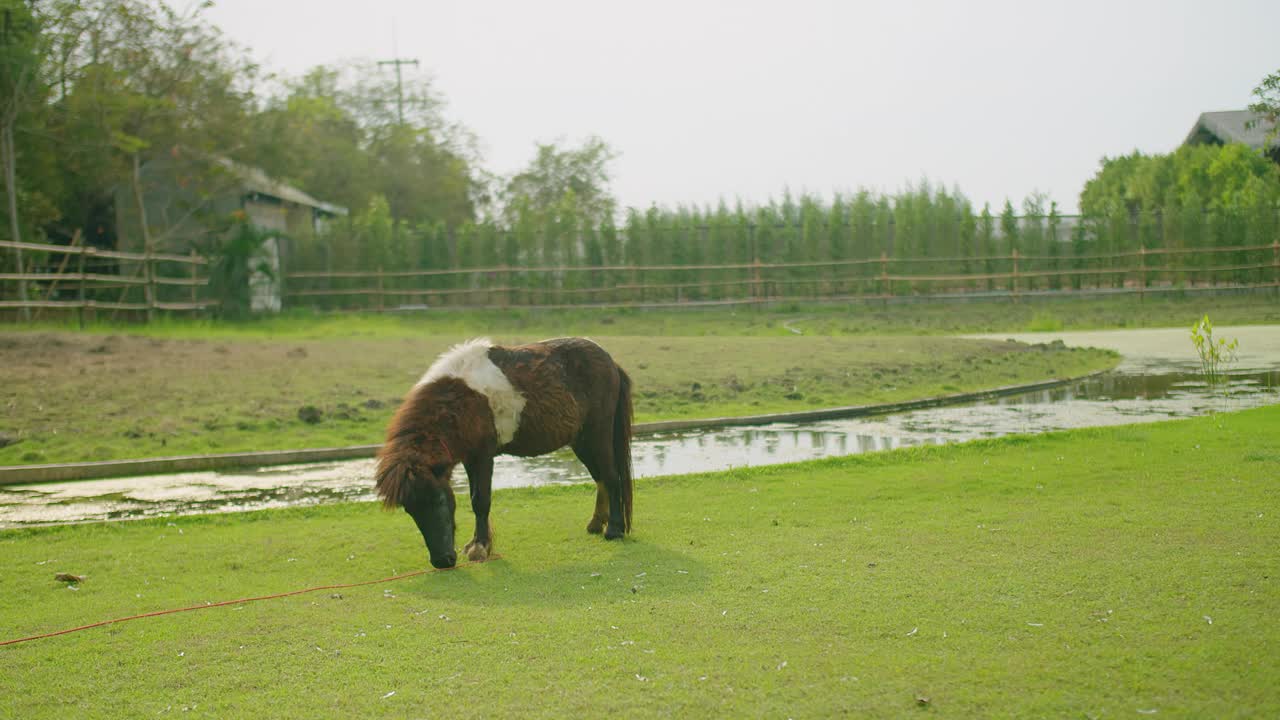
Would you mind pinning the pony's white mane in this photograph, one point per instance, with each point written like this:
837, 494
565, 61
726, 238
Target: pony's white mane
470, 363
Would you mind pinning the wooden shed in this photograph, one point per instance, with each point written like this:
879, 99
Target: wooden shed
186, 198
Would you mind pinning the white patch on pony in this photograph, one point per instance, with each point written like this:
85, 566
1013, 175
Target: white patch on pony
470, 363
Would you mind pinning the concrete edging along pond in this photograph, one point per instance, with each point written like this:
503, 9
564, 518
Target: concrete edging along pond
62, 472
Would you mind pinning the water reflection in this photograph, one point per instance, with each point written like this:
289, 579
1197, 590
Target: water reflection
1108, 399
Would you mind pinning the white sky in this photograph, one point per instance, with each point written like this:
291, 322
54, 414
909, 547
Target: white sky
710, 99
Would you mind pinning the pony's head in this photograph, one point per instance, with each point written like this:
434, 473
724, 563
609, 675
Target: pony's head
419, 482
416, 461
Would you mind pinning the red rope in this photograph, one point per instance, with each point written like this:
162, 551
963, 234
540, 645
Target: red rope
230, 602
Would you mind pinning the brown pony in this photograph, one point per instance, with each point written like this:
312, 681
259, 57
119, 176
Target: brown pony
480, 400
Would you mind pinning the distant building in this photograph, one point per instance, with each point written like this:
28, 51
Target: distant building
185, 196
1234, 126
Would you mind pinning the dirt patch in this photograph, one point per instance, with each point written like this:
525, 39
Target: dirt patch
86, 396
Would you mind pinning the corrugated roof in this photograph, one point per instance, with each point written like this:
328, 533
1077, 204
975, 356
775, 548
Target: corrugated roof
256, 180
1231, 126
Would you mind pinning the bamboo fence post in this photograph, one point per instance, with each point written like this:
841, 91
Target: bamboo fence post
1142, 273
124, 290
757, 288
22, 283
84, 250
1275, 266
62, 268
884, 276
379, 288
1013, 277
1211, 270
148, 287
194, 278
704, 291
149, 272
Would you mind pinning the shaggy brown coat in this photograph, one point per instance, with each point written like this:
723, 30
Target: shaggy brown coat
574, 394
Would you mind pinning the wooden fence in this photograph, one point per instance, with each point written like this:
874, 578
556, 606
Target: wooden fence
1011, 276
88, 279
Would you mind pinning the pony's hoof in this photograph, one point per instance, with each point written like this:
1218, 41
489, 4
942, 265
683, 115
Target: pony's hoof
612, 534
595, 527
476, 552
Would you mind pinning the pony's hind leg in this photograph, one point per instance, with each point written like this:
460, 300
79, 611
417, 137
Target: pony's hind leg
597, 456
601, 515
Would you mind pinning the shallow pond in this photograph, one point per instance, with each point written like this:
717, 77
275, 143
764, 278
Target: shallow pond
1139, 391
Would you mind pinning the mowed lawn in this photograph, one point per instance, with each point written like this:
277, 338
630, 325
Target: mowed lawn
86, 396
1108, 573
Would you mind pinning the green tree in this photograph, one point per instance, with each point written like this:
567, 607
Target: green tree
635, 250
1267, 105
556, 172
20, 92
336, 132
1032, 231
720, 247
986, 242
1221, 176
862, 220
1053, 244
1010, 233
968, 235
307, 137
136, 81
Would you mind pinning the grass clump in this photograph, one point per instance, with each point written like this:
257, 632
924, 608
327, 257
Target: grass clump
1215, 355
1045, 322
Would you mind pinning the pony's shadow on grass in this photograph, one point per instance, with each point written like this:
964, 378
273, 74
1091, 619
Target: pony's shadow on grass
598, 572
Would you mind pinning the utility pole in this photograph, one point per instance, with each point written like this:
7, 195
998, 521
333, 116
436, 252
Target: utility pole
397, 62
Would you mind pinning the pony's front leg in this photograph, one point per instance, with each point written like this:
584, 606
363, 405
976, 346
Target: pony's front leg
480, 481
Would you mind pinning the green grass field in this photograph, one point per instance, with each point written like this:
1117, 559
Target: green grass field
1119, 572
95, 397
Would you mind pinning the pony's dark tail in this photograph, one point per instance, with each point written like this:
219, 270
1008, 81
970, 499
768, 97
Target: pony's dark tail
622, 445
